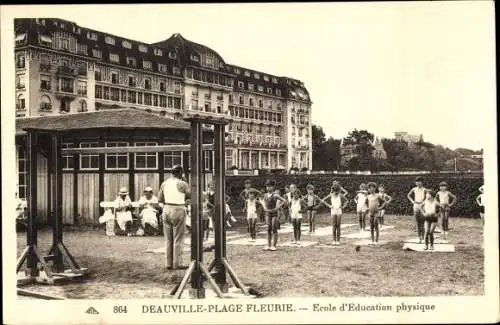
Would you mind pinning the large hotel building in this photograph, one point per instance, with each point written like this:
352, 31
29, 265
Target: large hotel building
63, 68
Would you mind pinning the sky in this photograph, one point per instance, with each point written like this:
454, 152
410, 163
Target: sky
420, 67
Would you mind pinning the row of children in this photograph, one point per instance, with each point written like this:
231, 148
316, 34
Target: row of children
269, 206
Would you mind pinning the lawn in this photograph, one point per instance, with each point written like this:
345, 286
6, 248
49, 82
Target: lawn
120, 268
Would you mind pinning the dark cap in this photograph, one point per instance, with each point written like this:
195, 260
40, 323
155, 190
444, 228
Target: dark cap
270, 182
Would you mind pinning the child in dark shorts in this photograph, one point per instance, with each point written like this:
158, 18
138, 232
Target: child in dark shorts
271, 206
312, 203
430, 211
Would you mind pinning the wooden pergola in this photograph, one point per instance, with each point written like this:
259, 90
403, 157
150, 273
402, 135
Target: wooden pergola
54, 128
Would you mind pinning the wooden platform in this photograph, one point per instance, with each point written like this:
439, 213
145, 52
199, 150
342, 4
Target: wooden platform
57, 278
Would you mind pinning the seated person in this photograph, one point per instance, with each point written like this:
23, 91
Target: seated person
123, 211
149, 208
20, 215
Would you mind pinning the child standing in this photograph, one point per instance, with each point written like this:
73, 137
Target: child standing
480, 202
338, 203
375, 204
296, 208
361, 205
271, 214
251, 210
446, 200
387, 198
417, 200
206, 213
430, 210
312, 202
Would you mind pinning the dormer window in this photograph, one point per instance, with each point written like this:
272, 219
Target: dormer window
114, 57
278, 92
172, 55
147, 65
269, 90
158, 52
143, 49
45, 40
21, 38
247, 74
176, 70
275, 80
250, 86
92, 36
162, 67
97, 53
260, 88
127, 44
266, 78
256, 76
241, 84
236, 70
109, 40
209, 61
76, 30
195, 58
131, 61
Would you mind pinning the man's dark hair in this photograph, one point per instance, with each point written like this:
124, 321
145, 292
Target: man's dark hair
177, 171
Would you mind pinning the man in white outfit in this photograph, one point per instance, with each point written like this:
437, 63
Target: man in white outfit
173, 193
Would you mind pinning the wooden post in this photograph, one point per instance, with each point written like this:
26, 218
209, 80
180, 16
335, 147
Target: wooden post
31, 234
57, 231
197, 290
220, 209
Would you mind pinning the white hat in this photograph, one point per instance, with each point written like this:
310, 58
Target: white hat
123, 191
148, 189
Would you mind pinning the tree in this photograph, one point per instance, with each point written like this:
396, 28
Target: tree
318, 141
358, 136
331, 154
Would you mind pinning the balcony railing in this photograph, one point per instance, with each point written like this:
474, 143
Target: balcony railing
70, 90
20, 108
66, 70
20, 86
82, 73
45, 107
45, 66
82, 92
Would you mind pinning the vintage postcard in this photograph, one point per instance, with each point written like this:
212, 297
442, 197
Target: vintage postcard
274, 163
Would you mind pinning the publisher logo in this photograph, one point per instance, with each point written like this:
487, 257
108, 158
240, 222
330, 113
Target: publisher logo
92, 311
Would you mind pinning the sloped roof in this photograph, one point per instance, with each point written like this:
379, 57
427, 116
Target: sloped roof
128, 118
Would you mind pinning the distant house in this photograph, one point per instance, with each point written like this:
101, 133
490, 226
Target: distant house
349, 151
411, 139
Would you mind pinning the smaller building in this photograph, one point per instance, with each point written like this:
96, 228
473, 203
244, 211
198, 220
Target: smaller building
411, 139
349, 151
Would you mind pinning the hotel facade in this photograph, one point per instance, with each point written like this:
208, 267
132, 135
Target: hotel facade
62, 68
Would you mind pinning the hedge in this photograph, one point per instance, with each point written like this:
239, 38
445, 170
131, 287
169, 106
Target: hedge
464, 186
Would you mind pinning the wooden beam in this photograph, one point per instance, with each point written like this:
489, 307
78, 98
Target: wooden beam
163, 148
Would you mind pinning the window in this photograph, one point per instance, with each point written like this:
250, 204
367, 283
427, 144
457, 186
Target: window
162, 86
82, 69
247, 74
229, 158
146, 160
250, 101
22, 172
172, 55
45, 40
132, 81
261, 103
250, 86
266, 78
109, 40
162, 68
278, 117
147, 99
207, 158
278, 106
66, 85
97, 53
92, 36
177, 87
115, 94
65, 44
81, 49
82, 88
82, 106
177, 103
131, 96
278, 92
147, 65
241, 84
45, 104
123, 93
98, 92
172, 158
20, 61
209, 61
236, 71
163, 101
114, 77
44, 62
256, 76
139, 98
77, 30
68, 163
65, 106
176, 70
241, 100
275, 80
131, 61
270, 104
114, 57
269, 91
116, 161
194, 58
158, 52
126, 44
89, 161
20, 82
143, 48
147, 83
155, 100
97, 74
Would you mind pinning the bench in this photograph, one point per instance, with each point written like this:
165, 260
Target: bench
111, 205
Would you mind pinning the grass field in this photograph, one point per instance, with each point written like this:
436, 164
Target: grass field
121, 269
